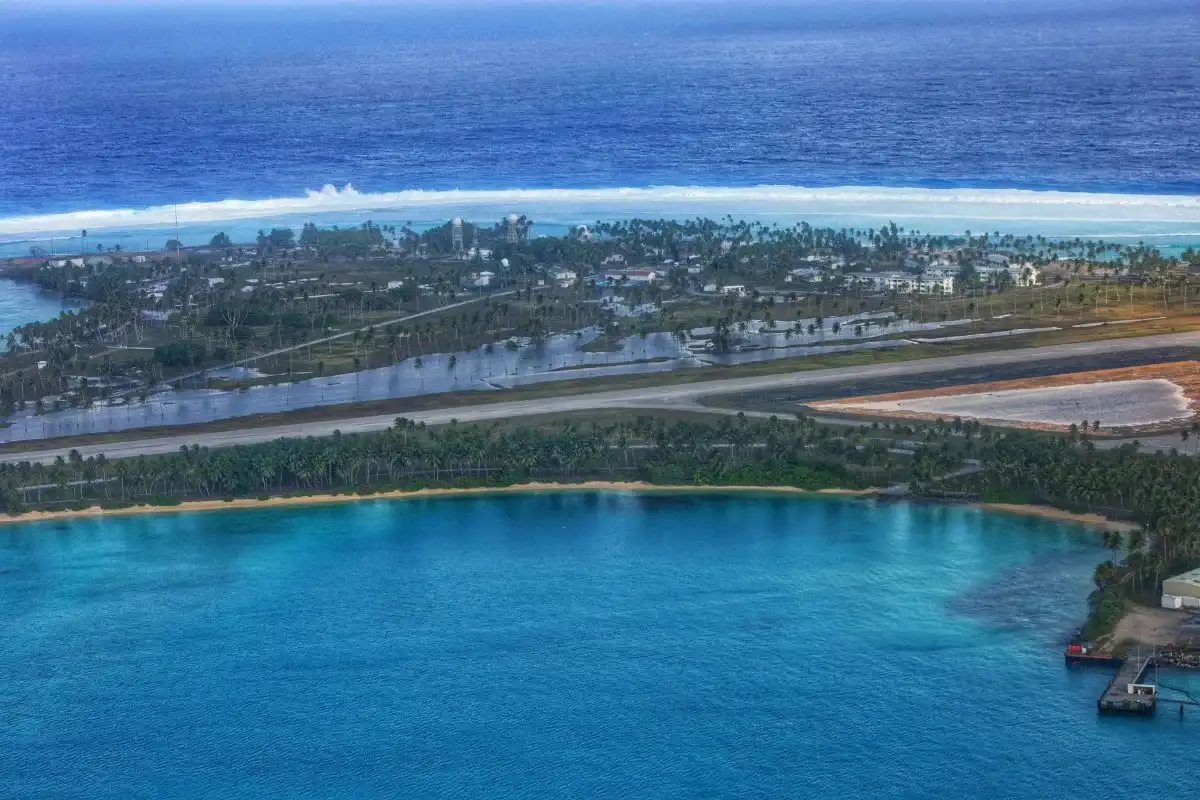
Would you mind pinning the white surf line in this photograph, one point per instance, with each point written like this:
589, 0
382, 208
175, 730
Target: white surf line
983, 204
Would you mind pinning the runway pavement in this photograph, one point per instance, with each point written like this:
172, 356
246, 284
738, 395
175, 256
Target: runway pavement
684, 395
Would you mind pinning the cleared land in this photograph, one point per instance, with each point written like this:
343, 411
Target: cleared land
1130, 397
1146, 625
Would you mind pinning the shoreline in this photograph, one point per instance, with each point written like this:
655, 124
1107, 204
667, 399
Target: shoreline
95, 512
1050, 512
415, 494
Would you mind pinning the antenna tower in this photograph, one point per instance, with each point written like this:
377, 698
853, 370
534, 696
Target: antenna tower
456, 236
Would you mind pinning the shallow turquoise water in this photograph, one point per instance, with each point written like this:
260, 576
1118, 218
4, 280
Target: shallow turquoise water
582, 645
21, 303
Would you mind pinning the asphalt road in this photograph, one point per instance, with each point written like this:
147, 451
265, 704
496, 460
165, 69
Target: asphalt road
682, 396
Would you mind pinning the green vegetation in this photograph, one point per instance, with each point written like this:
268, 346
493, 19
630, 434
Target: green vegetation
323, 301
346, 241
1161, 492
731, 451
1107, 606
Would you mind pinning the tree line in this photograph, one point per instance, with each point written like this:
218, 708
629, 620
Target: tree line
732, 451
1159, 492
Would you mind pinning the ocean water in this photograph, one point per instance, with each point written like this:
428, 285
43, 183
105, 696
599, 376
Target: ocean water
605, 645
1062, 117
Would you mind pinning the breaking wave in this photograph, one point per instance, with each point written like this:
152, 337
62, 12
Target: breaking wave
976, 205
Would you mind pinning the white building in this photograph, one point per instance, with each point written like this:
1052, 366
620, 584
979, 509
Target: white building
803, 274
940, 285
903, 282
1021, 273
1182, 590
646, 275
735, 288
482, 279
937, 273
565, 275
874, 280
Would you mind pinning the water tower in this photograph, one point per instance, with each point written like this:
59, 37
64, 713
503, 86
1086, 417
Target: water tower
456, 239
514, 231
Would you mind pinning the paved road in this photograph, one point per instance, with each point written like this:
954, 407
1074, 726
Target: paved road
651, 397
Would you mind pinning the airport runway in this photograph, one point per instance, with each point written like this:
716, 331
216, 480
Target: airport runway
680, 396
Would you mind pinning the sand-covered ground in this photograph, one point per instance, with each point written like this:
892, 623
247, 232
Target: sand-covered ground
1130, 397
1148, 626
322, 499
1123, 403
1050, 512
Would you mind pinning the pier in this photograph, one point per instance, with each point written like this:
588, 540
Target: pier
1125, 692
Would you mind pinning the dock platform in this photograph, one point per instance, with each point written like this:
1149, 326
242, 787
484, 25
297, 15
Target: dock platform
1117, 696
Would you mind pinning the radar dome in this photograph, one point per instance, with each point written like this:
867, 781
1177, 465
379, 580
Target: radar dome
456, 221
513, 218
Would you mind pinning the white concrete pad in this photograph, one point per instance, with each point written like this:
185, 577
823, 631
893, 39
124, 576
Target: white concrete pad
1114, 404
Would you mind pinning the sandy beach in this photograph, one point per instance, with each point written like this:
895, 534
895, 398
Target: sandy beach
321, 499
1048, 512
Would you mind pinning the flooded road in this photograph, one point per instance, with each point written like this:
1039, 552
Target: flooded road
503, 365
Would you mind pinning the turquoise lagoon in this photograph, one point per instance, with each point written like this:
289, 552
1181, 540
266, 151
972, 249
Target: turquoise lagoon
600, 645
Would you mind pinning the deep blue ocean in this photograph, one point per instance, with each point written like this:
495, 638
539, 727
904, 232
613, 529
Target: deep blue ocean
228, 117
579, 645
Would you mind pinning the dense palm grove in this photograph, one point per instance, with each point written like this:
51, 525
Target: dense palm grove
1162, 492
733, 451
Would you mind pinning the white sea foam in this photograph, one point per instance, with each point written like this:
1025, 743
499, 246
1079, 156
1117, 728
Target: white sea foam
1128, 215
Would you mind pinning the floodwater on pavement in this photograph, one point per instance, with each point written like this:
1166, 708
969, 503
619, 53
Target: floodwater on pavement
491, 367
